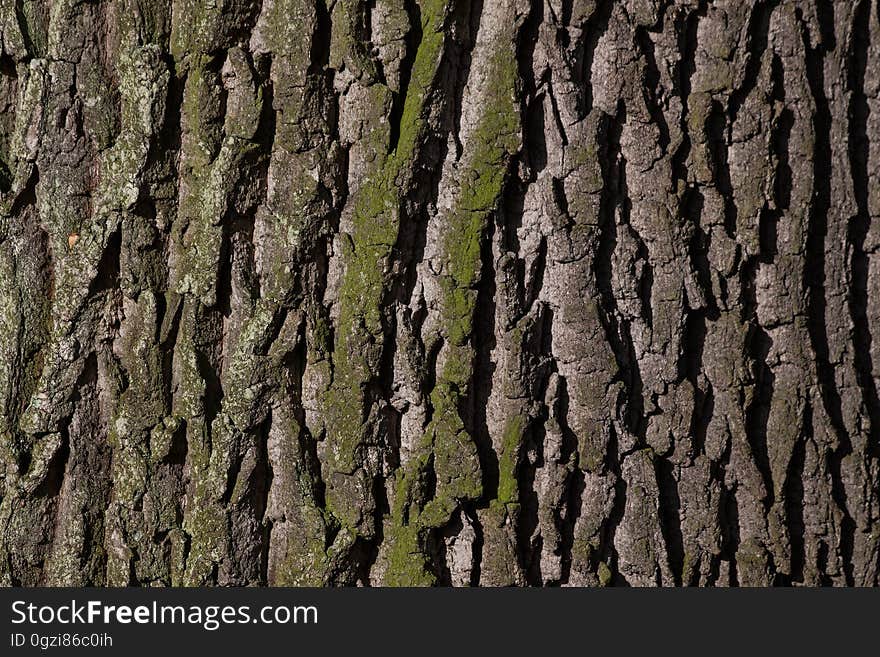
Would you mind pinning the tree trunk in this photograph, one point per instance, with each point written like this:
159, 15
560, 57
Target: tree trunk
468, 292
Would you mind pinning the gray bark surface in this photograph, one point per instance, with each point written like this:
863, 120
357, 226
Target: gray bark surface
457, 292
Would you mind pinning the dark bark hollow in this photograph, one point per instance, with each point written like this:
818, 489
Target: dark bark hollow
470, 292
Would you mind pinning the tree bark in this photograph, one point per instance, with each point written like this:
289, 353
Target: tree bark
458, 292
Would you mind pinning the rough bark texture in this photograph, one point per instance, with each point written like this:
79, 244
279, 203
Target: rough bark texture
529, 292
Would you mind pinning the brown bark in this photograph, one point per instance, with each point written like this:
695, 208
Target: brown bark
529, 292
